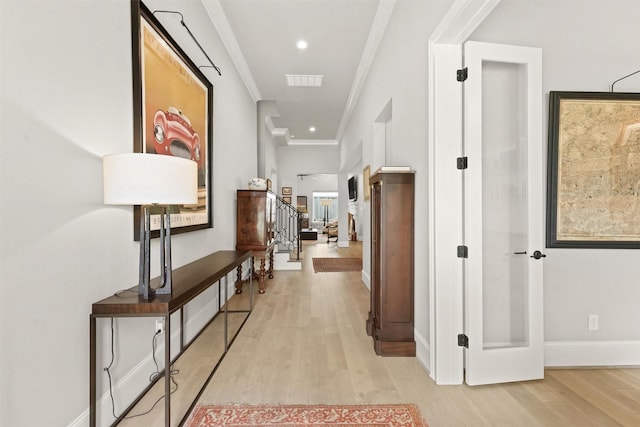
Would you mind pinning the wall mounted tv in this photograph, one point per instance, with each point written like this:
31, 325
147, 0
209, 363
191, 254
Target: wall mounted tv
353, 189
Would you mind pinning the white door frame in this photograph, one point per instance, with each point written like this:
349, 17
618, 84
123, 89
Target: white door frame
446, 364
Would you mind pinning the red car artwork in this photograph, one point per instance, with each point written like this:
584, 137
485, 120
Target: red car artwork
173, 135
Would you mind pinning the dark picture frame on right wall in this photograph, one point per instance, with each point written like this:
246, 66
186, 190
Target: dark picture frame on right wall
593, 170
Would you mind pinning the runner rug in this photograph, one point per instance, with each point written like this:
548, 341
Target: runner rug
306, 415
322, 265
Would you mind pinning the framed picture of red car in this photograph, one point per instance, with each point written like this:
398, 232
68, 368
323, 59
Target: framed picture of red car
172, 114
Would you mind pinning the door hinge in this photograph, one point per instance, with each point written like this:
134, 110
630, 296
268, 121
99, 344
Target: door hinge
463, 341
462, 162
462, 74
463, 252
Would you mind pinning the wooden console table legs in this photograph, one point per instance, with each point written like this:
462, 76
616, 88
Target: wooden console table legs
239, 280
259, 275
261, 278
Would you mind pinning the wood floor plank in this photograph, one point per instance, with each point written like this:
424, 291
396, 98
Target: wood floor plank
563, 382
604, 397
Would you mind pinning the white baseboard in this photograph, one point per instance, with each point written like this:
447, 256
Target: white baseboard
591, 353
134, 381
565, 354
366, 279
423, 353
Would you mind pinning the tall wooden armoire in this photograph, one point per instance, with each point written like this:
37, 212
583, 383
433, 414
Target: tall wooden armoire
255, 230
391, 317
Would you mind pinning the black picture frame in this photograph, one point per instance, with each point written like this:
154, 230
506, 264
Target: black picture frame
593, 170
165, 79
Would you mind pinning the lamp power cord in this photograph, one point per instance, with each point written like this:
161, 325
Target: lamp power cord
153, 377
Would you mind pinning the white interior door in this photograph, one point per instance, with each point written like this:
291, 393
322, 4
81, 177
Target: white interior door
503, 213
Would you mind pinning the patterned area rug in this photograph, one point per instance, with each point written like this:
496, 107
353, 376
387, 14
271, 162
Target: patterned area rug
306, 415
322, 265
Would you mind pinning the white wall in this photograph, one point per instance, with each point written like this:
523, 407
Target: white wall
305, 159
399, 73
266, 145
585, 48
294, 160
352, 166
67, 101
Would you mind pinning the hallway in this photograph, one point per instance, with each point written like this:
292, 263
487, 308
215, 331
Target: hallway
305, 343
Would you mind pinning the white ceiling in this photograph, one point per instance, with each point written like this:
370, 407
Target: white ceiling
337, 33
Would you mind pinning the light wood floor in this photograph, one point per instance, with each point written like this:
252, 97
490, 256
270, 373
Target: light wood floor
305, 342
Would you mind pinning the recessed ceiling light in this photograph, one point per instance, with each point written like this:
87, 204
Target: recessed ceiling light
312, 129
293, 136
302, 44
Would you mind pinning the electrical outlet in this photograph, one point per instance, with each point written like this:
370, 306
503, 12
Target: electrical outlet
593, 322
159, 326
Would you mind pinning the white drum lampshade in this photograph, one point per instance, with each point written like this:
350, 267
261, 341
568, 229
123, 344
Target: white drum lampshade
149, 179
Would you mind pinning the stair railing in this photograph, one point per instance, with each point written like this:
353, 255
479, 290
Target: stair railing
287, 228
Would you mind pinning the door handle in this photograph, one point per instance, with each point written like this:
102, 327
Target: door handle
538, 255
520, 253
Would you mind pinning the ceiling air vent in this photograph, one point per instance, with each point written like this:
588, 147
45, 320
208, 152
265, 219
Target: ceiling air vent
303, 80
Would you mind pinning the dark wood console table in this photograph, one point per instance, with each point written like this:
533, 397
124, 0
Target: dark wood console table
189, 281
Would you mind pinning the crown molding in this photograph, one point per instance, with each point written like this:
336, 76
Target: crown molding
219, 19
378, 27
462, 18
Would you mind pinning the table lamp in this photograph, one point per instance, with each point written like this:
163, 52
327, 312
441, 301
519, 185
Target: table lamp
151, 180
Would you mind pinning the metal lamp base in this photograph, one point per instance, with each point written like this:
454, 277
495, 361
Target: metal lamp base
144, 287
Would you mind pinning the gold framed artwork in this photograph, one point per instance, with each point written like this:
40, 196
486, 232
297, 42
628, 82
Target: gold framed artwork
286, 199
366, 173
172, 115
593, 170
286, 191
301, 202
